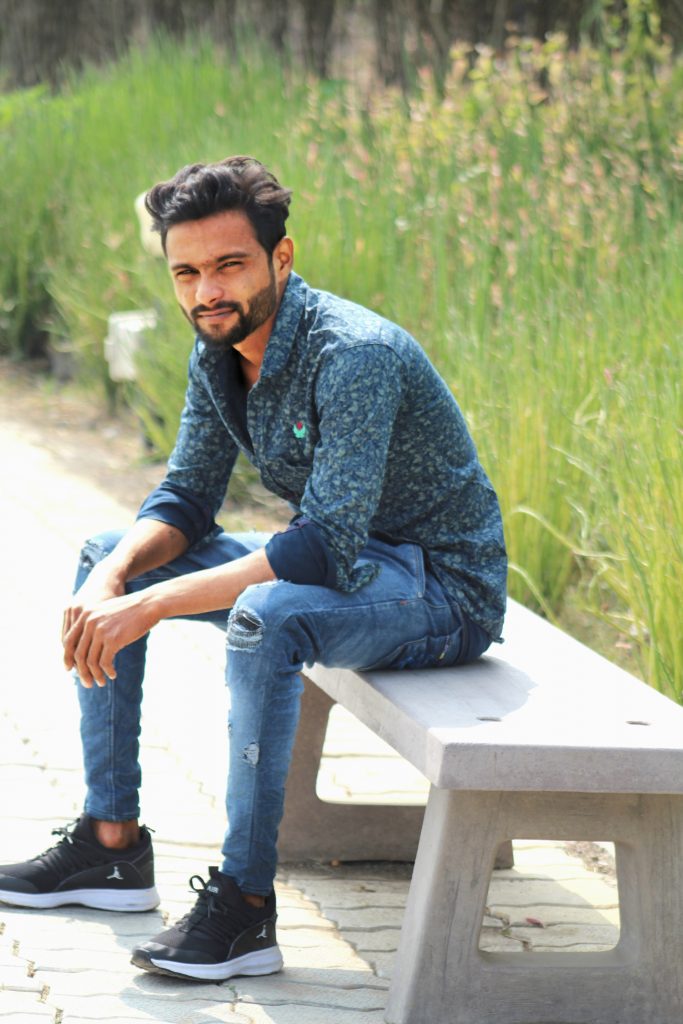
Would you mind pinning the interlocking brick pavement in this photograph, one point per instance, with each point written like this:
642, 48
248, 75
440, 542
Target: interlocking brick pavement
338, 926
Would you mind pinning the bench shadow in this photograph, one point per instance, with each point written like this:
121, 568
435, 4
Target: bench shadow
468, 696
528, 909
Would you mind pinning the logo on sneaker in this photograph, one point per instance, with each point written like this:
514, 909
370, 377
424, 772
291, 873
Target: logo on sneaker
213, 888
115, 875
263, 934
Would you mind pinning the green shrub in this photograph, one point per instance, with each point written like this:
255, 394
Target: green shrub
528, 234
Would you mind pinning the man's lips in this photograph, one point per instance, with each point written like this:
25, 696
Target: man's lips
216, 314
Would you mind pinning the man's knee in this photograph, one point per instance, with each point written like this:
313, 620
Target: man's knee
260, 608
98, 547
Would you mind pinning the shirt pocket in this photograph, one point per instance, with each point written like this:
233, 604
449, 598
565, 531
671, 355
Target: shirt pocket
290, 478
288, 448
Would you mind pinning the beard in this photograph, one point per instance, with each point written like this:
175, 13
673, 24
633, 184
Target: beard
261, 306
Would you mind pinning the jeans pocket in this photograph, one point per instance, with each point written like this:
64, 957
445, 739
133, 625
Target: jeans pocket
427, 652
402, 568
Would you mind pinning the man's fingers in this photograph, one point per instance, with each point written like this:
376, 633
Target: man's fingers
85, 679
95, 637
68, 619
94, 656
71, 642
107, 662
94, 662
80, 655
72, 625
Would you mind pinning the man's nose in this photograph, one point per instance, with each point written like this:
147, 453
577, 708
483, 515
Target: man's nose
209, 290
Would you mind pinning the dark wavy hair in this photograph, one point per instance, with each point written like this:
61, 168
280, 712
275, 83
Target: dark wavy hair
236, 183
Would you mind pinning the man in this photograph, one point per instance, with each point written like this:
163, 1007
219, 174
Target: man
394, 557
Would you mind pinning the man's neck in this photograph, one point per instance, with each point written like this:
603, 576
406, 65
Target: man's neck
253, 349
251, 352
250, 372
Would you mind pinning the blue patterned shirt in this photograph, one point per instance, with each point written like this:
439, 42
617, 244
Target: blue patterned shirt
351, 424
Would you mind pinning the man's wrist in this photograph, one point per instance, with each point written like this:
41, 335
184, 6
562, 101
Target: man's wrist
112, 573
160, 601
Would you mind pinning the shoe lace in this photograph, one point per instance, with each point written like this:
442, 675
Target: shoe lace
211, 916
70, 852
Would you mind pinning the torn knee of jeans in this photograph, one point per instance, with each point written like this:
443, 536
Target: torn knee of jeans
91, 554
250, 754
245, 630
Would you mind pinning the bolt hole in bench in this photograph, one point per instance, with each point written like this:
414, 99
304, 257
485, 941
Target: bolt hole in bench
542, 739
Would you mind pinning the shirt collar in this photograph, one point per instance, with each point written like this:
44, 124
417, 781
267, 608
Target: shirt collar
285, 327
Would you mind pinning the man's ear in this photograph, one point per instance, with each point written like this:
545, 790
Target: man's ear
283, 257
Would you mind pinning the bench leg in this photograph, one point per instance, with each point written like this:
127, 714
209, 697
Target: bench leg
313, 829
441, 975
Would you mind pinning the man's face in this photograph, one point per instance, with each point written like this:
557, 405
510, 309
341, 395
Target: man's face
225, 282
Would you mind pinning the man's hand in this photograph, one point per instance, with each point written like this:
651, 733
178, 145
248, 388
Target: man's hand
102, 618
85, 625
84, 643
100, 585
96, 634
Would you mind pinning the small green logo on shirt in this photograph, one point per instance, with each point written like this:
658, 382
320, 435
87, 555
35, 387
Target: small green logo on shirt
299, 428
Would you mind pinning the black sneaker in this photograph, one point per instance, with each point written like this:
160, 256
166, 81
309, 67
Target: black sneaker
78, 869
222, 936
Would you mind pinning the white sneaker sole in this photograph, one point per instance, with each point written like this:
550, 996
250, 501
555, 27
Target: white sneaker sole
97, 899
261, 961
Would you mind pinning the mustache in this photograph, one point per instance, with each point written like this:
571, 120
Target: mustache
234, 307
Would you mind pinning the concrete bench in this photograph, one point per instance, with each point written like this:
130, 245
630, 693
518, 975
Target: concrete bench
540, 739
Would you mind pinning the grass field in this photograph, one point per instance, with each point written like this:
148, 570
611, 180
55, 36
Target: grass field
525, 226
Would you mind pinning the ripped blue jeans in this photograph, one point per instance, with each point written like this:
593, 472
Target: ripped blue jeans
402, 619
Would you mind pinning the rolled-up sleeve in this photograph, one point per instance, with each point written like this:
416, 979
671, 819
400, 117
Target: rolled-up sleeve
199, 467
358, 393
299, 554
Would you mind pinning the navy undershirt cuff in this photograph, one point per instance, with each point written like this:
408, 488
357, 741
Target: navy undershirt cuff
300, 554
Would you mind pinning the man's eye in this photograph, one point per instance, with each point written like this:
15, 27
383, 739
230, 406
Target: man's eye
229, 263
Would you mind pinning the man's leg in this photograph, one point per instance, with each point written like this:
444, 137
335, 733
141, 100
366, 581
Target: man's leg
402, 619
105, 860
110, 715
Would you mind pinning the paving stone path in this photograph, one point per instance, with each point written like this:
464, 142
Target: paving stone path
338, 925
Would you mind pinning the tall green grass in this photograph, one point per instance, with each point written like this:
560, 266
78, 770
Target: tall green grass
528, 234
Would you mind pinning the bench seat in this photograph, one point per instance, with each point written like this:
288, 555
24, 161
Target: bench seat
539, 739
531, 714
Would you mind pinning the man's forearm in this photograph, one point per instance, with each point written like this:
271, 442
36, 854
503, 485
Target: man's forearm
146, 545
209, 589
